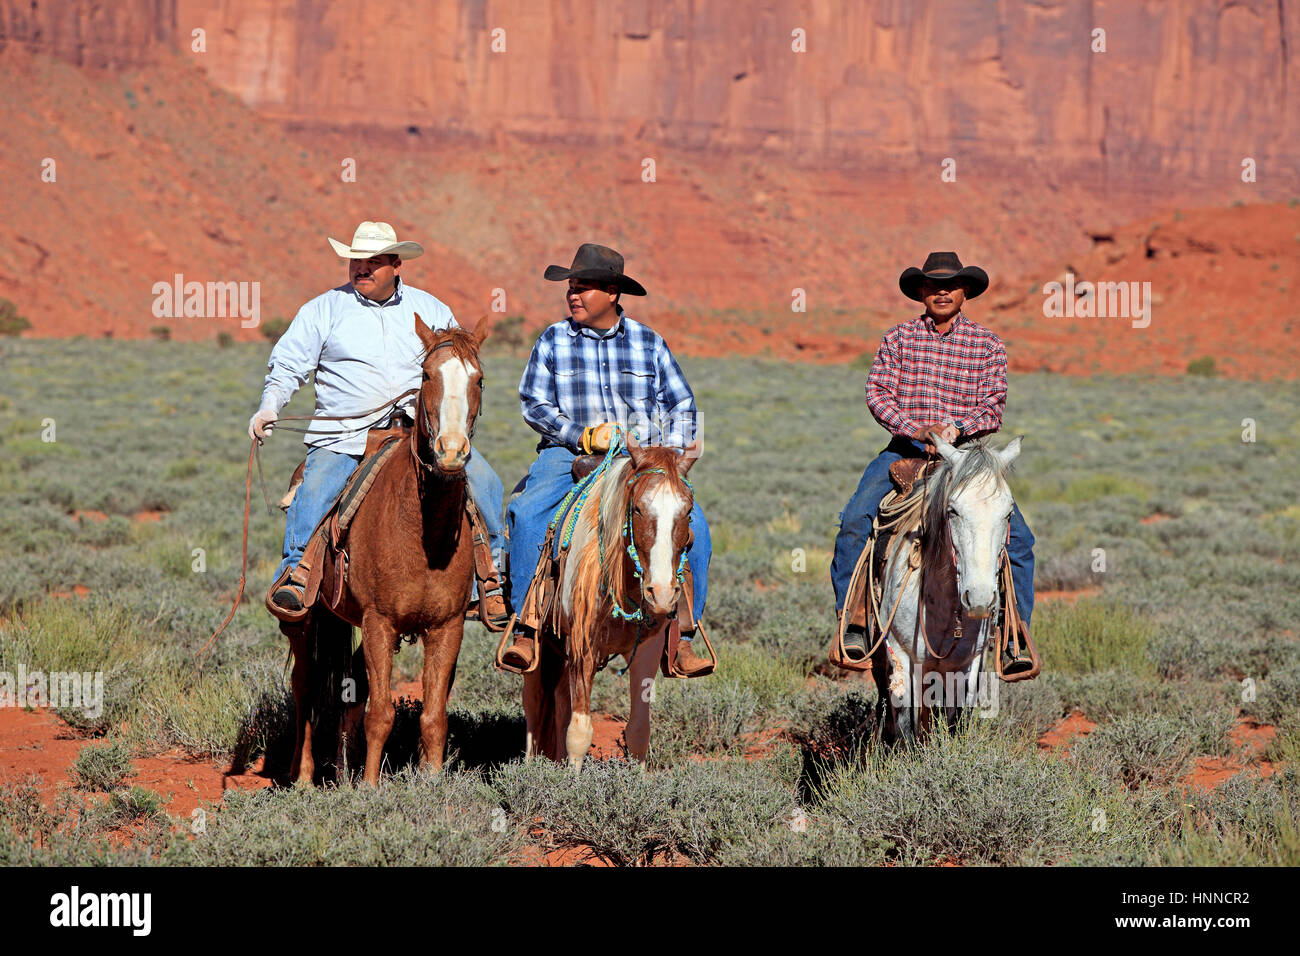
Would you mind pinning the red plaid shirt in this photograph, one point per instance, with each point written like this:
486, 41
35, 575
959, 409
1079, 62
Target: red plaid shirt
920, 377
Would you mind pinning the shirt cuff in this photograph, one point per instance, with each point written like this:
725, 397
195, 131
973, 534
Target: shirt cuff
571, 435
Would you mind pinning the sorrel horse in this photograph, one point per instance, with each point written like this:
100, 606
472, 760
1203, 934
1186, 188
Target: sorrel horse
410, 563
946, 611
619, 586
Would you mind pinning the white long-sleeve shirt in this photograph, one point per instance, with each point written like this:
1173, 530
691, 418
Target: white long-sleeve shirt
363, 353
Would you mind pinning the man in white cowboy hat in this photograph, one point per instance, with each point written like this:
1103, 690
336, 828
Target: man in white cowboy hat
359, 339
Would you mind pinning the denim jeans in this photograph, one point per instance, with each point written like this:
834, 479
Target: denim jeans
860, 512
548, 481
327, 472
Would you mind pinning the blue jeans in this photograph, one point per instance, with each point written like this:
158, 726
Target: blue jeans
860, 512
548, 481
327, 472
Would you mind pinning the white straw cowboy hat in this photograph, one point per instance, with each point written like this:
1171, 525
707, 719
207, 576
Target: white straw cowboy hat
376, 239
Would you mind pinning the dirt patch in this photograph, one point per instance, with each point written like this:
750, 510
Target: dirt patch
78, 590
1251, 739
82, 514
39, 743
1060, 737
1155, 518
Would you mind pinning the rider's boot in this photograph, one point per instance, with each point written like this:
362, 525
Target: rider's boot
520, 653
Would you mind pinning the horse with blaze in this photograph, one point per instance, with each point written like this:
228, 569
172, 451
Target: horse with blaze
619, 587
410, 563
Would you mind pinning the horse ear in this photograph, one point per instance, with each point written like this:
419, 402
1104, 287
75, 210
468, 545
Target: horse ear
481, 330
689, 454
425, 333
1011, 452
949, 453
633, 447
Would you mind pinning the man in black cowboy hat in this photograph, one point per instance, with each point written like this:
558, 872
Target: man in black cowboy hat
936, 374
588, 373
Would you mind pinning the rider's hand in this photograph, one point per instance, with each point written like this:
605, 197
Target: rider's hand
596, 438
945, 430
261, 424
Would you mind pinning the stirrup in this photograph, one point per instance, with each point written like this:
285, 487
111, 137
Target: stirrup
294, 589
855, 640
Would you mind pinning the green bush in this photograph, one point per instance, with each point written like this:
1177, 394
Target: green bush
102, 767
1203, 366
11, 323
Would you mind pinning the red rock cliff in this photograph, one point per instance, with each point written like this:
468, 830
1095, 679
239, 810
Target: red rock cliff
1189, 87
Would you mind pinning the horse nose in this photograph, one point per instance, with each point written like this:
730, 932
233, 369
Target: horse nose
974, 607
451, 453
662, 598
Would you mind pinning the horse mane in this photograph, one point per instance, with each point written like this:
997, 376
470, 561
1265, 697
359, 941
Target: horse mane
595, 587
463, 344
939, 489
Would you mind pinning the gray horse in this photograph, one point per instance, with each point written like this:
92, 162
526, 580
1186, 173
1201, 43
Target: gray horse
936, 641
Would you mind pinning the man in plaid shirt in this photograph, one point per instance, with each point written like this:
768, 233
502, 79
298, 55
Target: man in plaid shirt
587, 373
939, 373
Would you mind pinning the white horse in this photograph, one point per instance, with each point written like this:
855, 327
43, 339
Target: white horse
942, 578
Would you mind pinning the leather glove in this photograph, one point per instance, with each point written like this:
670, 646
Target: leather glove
596, 438
261, 424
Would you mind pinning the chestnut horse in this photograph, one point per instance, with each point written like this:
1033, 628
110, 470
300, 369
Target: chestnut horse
620, 584
410, 562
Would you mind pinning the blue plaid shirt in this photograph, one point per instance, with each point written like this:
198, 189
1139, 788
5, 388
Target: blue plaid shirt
578, 377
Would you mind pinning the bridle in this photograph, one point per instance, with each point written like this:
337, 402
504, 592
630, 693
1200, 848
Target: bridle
638, 571
423, 417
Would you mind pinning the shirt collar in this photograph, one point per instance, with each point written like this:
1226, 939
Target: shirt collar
574, 329
393, 299
929, 322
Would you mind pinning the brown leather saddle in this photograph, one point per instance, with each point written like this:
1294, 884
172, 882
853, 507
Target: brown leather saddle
331, 532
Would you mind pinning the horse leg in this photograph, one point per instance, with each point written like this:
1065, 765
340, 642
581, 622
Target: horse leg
304, 766
533, 691
351, 738
902, 694
377, 638
441, 648
577, 738
641, 674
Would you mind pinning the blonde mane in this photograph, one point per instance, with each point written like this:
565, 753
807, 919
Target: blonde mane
605, 513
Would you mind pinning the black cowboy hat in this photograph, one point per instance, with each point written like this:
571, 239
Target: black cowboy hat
943, 265
596, 264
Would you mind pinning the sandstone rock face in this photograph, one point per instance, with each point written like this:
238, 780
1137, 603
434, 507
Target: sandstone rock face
116, 33
1184, 89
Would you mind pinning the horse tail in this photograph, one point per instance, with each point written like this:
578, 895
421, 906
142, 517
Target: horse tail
332, 664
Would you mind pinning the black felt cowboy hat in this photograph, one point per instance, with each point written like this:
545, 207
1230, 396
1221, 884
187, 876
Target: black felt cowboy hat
596, 264
943, 265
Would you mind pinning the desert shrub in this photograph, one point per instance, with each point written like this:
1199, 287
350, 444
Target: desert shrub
11, 323
1277, 698
1092, 634
102, 766
975, 794
628, 817
414, 819
272, 329
1154, 749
